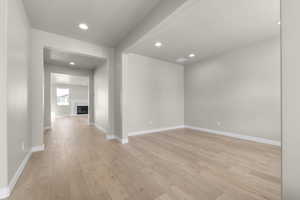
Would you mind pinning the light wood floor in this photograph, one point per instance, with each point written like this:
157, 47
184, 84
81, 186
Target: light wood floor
79, 164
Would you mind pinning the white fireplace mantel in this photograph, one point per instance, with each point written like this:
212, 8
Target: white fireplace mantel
76, 103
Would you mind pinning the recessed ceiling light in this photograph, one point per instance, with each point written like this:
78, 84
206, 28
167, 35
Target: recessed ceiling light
83, 26
192, 55
72, 63
158, 44
278, 23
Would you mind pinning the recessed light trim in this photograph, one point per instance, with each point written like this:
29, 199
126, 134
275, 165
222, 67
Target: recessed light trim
192, 55
72, 63
278, 22
83, 26
158, 44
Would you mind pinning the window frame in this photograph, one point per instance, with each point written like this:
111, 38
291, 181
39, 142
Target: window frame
66, 97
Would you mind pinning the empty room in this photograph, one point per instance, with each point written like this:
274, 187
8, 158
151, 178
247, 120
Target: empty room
149, 100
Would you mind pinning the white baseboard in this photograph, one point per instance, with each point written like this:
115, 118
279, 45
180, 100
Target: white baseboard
155, 130
113, 137
235, 135
4, 192
47, 128
110, 137
38, 148
122, 140
100, 128
19, 171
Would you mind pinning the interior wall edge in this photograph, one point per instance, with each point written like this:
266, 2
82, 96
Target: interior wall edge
3, 99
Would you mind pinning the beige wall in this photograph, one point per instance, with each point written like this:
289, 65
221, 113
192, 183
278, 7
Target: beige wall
290, 27
153, 94
18, 40
101, 79
237, 92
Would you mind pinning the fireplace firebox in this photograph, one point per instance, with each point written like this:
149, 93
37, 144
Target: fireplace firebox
81, 110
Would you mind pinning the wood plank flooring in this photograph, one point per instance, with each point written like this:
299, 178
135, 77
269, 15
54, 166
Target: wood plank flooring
79, 164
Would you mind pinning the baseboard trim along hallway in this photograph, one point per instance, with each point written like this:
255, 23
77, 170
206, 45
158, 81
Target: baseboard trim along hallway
19, 171
38, 148
6, 191
100, 128
122, 140
235, 135
155, 130
47, 128
110, 136
210, 131
107, 135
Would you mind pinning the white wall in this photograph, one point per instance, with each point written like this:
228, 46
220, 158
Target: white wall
40, 40
153, 94
18, 40
155, 17
47, 89
240, 89
78, 93
101, 79
3, 99
290, 28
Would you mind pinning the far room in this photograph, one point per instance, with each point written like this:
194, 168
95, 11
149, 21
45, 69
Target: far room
202, 91
69, 96
75, 89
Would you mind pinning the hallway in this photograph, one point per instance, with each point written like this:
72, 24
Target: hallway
79, 163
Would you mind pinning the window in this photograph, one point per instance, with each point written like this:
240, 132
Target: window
62, 96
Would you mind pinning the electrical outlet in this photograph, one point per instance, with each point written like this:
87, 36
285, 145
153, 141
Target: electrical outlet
150, 122
219, 123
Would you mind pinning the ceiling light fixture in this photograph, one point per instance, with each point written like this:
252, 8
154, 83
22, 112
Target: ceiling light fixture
158, 44
192, 55
278, 23
72, 63
83, 26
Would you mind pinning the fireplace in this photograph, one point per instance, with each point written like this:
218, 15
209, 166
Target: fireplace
81, 110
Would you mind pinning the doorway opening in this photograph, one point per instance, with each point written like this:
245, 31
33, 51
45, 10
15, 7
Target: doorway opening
76, 86
69, 96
